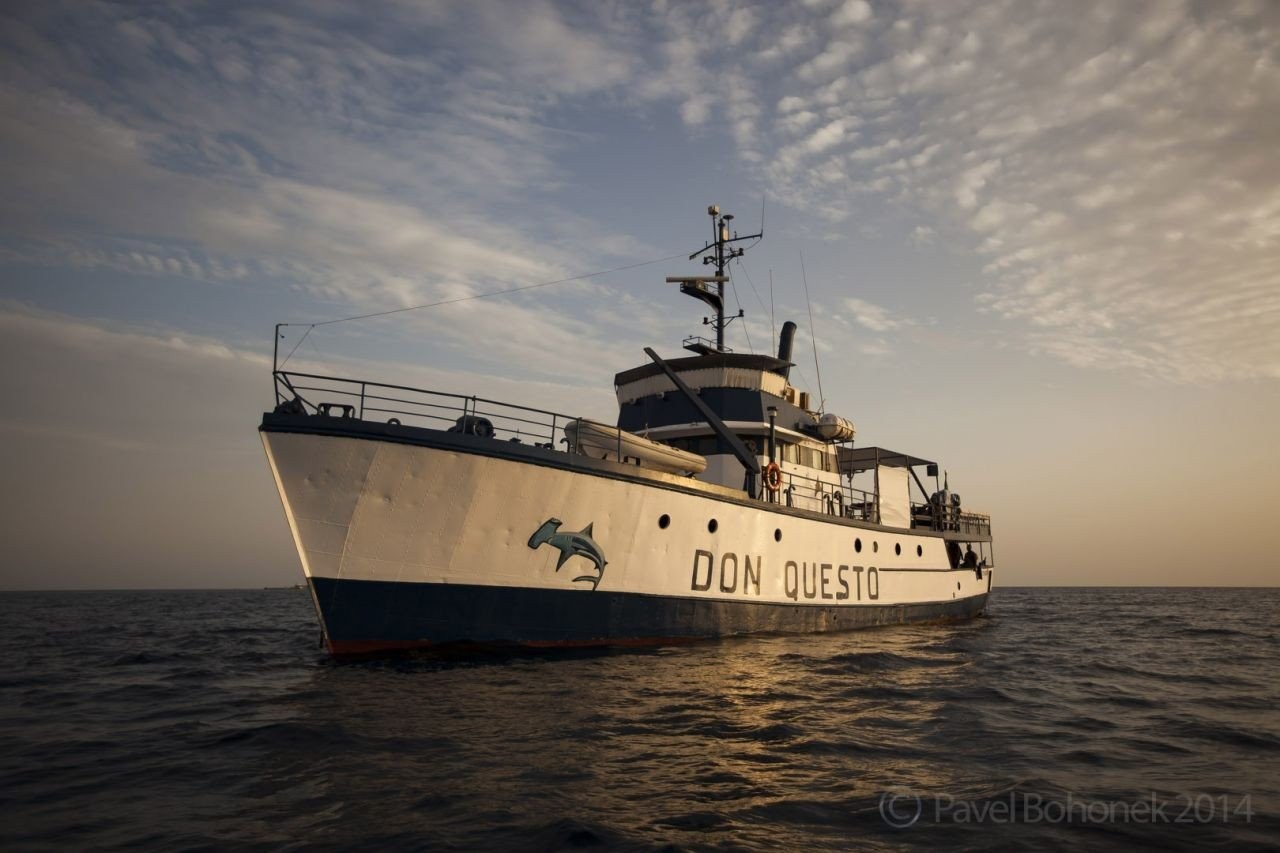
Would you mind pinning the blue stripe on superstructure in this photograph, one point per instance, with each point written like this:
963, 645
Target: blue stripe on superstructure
363, 615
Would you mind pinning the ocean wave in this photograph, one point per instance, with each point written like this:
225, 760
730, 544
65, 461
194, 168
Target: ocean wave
184, 727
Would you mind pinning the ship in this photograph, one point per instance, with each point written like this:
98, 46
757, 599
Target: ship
722, 502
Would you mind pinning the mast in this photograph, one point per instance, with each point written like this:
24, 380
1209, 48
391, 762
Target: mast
719, 252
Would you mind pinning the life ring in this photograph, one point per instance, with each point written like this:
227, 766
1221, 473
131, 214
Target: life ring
772, 477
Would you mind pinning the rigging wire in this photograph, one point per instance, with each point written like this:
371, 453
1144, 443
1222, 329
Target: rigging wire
751, 282
500, 292
316, 347
813, 338
734, 288
773, 331
298, 344
623, 268
803, 377
773, 323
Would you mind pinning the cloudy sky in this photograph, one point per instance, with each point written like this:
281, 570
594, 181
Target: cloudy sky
1042, 242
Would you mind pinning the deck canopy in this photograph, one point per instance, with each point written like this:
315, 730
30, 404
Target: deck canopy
855, 459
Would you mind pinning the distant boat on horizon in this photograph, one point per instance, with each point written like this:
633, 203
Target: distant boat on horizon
722, 503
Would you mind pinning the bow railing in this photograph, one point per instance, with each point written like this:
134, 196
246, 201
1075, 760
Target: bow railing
361, 399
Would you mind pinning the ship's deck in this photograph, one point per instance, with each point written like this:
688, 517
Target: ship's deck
330, 405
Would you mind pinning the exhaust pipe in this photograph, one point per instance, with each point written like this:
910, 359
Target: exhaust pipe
785, 340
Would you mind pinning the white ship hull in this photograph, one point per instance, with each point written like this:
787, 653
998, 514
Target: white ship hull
413, 537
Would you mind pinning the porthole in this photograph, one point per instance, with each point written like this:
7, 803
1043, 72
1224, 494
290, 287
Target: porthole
712, 526
919, 550
897, 548
857, 545
777, 534
664, 521
875, 546
957, 584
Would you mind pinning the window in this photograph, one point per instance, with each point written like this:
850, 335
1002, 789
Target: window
705, 446
811, 457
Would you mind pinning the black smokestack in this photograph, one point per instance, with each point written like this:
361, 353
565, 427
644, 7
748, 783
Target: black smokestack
784, 346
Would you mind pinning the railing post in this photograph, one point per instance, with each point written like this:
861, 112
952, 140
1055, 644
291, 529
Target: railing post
362, 400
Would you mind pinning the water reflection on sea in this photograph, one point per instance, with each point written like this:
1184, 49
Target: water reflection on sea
173, 719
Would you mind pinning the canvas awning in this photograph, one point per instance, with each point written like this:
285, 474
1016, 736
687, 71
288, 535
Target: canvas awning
855, 459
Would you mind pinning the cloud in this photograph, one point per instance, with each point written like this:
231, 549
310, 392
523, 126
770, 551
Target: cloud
341, 156
1113, 167
851, 12
872, 317
923, 235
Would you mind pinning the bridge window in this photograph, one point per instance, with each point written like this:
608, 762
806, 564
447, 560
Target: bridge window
701, 445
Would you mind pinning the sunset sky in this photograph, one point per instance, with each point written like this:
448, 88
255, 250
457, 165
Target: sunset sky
1042, 244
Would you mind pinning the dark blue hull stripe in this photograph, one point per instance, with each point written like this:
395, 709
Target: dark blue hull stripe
364, 615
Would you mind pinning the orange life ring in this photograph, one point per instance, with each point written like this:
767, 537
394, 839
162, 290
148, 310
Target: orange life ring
772, 477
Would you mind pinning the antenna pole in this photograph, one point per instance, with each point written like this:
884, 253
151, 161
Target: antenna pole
718, 252
275, 361
813, 337
721, 230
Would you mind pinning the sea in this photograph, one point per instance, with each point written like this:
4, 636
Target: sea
1065, 719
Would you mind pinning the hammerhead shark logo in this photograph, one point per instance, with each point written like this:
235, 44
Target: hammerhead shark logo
578, 544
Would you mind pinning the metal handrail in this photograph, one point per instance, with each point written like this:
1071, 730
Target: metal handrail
542, 427
832, 498
949, 518
510, 421
290, 373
